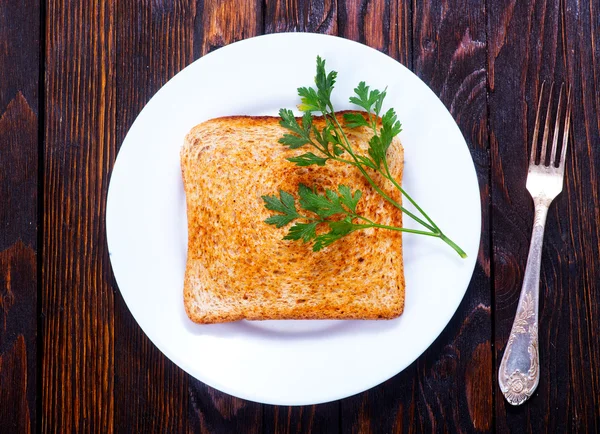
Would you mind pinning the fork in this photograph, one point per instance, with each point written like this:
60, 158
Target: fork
519, 373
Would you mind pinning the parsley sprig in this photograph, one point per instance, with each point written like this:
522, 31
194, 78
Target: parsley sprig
337, 209
319, 209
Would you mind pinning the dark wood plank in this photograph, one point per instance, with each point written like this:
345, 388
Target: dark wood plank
530, 42
382, 24
19, 69
219, 24
318, 16
154, 42
18, 266
322, 418
212, 411
77, 299
449, 388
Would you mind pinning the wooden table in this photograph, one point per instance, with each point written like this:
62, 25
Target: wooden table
74, 74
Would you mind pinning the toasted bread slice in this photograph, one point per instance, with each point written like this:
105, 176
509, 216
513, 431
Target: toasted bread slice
238, 267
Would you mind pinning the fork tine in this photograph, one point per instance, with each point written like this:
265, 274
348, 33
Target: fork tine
556, 127
537, 126
546, 128
561, 163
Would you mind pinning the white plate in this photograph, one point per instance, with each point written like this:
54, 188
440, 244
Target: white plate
288, 362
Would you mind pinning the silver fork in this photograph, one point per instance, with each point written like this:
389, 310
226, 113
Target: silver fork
519, 373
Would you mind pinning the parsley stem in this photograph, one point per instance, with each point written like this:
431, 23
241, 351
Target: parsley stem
363, 218
412, 231
442, 236
389, 176
333, 143
435, 230
452, 244
392, 228
323, 150
328, 154
399, 229
372, 121
447, 240
392, 201
373, 184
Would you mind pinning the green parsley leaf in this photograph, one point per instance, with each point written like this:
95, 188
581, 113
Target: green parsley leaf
285, 204
379, 102
325, 83
320, 140
362, 91
292, 141
355, 120
362, 98
308, 159
339, 229
368, 99
302, 231
329, 134
307, 123
390, 128
288, 121
374, 97
310, 100
376, 150
347, 198
317, 203
325, 240
338, 150
342, 227
279, 220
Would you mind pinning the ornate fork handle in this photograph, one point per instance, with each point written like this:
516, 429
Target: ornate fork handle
519, 372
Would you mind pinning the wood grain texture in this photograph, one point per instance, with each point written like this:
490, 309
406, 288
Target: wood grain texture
154, 42
382, 24
449, 388
316, 16
531, 42
322, 418
219, 24
77, 299
104, 60
19, 72
223, 22
212, 411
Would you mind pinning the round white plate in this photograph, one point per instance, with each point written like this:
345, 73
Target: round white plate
288, 362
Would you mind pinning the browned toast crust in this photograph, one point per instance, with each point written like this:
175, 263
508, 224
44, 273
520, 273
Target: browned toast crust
238, 267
